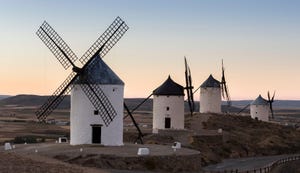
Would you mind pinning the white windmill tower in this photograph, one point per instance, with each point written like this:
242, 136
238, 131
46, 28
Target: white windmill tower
210, 96
86, 125
260, 108
168, 106
211, 93
97, 92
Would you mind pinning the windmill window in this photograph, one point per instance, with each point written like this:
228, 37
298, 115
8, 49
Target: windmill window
167, 108
114, 89
96, 112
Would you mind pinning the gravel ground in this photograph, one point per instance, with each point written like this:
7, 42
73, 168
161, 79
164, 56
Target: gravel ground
11, 162
35, 158
52, 149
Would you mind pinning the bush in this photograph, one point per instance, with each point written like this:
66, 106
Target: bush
28, 139
150, 163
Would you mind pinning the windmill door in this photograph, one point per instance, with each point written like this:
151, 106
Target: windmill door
96, 134
167, 122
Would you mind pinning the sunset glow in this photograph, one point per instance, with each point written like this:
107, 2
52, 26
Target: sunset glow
258, 41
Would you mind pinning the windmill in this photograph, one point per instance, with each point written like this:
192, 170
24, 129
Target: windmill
210, 96
262, 101
81, 75
168, 106
189, 87
224, 87
260, 109
270, 101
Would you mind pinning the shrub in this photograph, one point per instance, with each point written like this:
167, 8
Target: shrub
28, 139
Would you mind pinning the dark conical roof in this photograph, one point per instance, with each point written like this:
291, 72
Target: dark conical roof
260, 101
210, 82
169, 87
101, 72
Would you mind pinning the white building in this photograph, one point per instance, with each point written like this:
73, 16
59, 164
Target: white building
210, 96
86, 124
168, 106
259, 109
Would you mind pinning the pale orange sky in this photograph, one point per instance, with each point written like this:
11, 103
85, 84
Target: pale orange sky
257, 40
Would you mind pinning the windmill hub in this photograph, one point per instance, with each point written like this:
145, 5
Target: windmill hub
77, 70
189, 87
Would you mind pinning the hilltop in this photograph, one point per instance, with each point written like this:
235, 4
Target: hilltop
24, 100
4, 96
243, 137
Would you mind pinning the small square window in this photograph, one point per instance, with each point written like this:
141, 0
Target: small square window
168, 108
96, 112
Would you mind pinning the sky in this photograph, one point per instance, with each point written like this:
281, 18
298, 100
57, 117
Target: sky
258, 41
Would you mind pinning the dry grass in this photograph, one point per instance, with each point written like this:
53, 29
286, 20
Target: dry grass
243, 136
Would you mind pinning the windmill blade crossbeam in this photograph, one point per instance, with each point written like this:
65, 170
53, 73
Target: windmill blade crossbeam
140, 137
100, 102
56, 98
108, 39
56, 45
95, 93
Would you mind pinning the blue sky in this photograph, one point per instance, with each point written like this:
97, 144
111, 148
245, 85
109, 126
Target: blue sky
258, 40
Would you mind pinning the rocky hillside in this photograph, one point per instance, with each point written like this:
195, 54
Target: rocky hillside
242, 137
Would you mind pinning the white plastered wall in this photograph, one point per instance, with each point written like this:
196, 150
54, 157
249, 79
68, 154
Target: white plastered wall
175, 112
261, 112
210, 100
82, 116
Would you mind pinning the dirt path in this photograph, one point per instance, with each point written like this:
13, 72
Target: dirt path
245, 164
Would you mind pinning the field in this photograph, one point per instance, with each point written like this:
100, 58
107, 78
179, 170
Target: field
21, 121
241, 136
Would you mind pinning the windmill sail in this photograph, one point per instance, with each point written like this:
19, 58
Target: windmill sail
189, 87
57, 45
107, 40
270, 101
224, 87
56, 98
67, 58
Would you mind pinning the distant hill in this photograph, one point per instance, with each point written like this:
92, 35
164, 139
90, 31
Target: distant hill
36, 100
4, 96
133, 102
31, 100
277, 104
